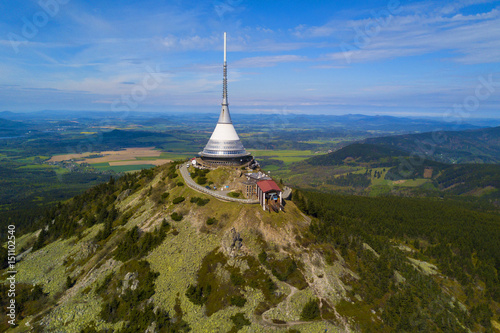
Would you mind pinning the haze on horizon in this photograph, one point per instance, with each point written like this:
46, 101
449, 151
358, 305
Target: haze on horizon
408, 58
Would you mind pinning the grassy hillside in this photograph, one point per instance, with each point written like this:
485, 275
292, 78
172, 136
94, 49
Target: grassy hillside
145, 251
106, 258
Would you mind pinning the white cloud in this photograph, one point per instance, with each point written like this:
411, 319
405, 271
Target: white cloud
469, 38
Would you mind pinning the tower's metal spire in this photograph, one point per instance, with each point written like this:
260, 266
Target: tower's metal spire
224, 114
224, 82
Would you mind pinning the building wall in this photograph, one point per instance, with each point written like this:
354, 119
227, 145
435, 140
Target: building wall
262, 199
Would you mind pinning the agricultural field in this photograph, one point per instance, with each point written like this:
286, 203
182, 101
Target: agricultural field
108, 156
124, 160
281, 159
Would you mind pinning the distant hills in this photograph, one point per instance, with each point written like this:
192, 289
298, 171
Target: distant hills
375, 169
469, 146
282, 120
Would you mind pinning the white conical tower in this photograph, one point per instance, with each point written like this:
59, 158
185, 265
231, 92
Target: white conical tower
224, 146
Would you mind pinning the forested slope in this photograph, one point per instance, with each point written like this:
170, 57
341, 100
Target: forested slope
461, 242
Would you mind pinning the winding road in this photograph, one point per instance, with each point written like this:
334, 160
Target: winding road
219, 195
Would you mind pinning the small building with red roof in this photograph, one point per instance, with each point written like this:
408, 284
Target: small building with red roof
270, 195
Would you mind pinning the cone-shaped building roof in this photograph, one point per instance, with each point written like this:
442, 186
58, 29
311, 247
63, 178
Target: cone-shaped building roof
224, 142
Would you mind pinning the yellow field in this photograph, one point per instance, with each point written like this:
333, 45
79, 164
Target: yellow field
140, 162
110, 156
118, 158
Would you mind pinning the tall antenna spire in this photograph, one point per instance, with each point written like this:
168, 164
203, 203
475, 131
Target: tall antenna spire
224, 113
224, 82
224, 146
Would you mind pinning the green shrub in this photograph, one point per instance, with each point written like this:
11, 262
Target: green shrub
201, 180
263, 258
310, 310
211, 220
180, 184
200, 201
69, 282
128, 248
172, 172
239, 321
234, 194
176, 216
137, 245
178, 200
40, 241
104, 233
125, 306
197, 295
285, 270
238, 301
165, 225
103, 287
237, 279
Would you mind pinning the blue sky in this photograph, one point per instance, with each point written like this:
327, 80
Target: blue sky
401, 58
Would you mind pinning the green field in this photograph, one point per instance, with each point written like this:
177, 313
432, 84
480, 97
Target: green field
321, 142
100, 165
146, 158
175, 156
281, 153
287, 156
121, 168
413, 182
37, 166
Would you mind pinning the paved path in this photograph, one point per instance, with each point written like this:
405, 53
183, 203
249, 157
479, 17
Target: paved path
221, 195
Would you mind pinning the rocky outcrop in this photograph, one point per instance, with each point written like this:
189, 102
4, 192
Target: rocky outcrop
124, 195
130, 281
232, 243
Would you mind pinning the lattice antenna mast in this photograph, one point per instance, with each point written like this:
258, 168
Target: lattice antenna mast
224, 82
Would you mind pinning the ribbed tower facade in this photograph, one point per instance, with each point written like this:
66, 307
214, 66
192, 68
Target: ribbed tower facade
224, 146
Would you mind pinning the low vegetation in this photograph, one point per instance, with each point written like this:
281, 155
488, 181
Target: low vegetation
129, 304
137, 245
311, 310
200, 201
211, 220
176, 216
178, 200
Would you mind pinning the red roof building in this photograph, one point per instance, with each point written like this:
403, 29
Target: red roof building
268, 185
269, 194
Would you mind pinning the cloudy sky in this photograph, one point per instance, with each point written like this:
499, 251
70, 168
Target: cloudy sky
412, 58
